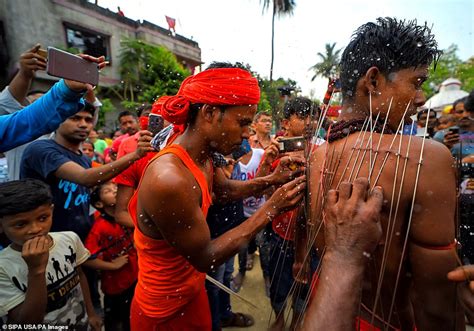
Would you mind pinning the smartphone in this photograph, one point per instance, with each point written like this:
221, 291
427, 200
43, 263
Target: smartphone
291, 144
66, 65
155, 123
454, 130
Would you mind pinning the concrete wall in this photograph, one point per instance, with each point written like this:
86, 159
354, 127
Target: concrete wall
30, 21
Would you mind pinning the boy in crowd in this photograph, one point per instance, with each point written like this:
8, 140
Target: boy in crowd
112, 252
41, 280
284, 270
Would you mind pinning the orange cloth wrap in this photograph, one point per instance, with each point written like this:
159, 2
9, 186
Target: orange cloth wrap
216, 87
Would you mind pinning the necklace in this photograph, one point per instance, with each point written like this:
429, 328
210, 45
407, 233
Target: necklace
343, 128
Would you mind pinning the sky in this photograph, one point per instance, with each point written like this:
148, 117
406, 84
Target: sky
238, 30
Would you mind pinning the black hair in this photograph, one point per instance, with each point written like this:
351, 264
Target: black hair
89, 108
24, 195
125, 113
260, 114
143, 107
424, 111
469, 102
390, 45
220, 65
87, 141
95, 195
462, 100
299, 106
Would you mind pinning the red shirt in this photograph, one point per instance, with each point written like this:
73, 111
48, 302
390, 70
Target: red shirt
131, 176
284, 224
108, 240
128, 145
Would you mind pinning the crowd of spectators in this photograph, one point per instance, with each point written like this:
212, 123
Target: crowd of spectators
64, 174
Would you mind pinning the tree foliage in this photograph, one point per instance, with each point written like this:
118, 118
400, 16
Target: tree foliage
450, 65
148, 71
328, 62
279, 8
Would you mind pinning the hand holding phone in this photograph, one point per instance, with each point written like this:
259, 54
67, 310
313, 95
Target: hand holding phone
155, 123
291, 144
31, 61
80, 71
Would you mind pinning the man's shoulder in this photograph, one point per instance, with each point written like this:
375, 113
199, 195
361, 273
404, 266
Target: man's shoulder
168, 170
41, 144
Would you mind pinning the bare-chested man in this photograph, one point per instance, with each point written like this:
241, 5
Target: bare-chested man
382, 71
169, 209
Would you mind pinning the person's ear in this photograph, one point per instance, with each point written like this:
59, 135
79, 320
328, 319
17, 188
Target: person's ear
285, 122
208, 112
373, 80
99, 205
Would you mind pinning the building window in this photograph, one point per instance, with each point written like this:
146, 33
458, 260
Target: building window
87, 42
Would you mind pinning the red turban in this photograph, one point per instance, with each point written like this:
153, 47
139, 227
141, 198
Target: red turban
157, 107
220, 86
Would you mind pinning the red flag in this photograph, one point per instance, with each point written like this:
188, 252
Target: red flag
171, 23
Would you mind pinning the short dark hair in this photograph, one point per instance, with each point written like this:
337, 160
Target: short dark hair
461, 100
87, 141
425, 111
95, 195
390, 45
143, 107
125, 113
469, 102
260, 114
299, 106
89, 108
24, 195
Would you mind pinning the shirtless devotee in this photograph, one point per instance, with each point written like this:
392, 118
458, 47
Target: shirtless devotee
169, 209
382, 71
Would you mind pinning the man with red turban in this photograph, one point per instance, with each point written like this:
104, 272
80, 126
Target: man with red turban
170, 206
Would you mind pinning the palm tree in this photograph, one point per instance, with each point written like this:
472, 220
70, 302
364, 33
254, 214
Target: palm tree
280, 8
327, 66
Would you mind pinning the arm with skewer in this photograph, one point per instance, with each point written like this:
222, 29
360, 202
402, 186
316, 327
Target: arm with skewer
431, 245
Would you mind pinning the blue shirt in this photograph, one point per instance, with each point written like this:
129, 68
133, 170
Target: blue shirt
42, 116
465, 146
222, 218
40, 160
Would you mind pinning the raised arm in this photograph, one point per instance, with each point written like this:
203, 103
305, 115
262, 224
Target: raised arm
75, 173
30, 62
44, 115
183, 225
230, 190
432, 249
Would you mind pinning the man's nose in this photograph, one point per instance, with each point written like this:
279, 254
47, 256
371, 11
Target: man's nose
420, 99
